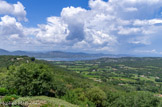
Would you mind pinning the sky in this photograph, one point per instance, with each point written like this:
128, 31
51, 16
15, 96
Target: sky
92, 26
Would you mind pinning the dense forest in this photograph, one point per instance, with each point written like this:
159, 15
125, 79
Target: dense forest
106, 82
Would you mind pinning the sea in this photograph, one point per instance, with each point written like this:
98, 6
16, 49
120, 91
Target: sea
68, 59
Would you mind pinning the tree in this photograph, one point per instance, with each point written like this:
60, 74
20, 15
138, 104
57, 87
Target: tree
32, 58
97, 96
29, 79
77, 96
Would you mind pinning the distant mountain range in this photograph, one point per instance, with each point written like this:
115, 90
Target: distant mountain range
58, 54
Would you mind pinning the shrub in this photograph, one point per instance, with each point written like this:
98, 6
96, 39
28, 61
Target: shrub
10, 98
3, 91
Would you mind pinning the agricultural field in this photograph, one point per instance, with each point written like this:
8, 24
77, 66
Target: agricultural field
130, 74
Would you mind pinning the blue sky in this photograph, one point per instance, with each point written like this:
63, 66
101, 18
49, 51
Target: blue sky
93, 26
39, 10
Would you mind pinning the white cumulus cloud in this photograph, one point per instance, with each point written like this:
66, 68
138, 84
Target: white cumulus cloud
17, 10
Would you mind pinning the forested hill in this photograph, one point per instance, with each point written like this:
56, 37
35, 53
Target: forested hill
6, 61
55, 84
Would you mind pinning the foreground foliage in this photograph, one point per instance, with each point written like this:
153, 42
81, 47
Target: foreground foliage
29, 79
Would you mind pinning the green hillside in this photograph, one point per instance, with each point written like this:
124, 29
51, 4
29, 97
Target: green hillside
96, 83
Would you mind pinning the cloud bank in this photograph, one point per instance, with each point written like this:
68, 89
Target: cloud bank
115, 26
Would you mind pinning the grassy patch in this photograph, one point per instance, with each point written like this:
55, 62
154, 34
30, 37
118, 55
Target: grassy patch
42, 101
